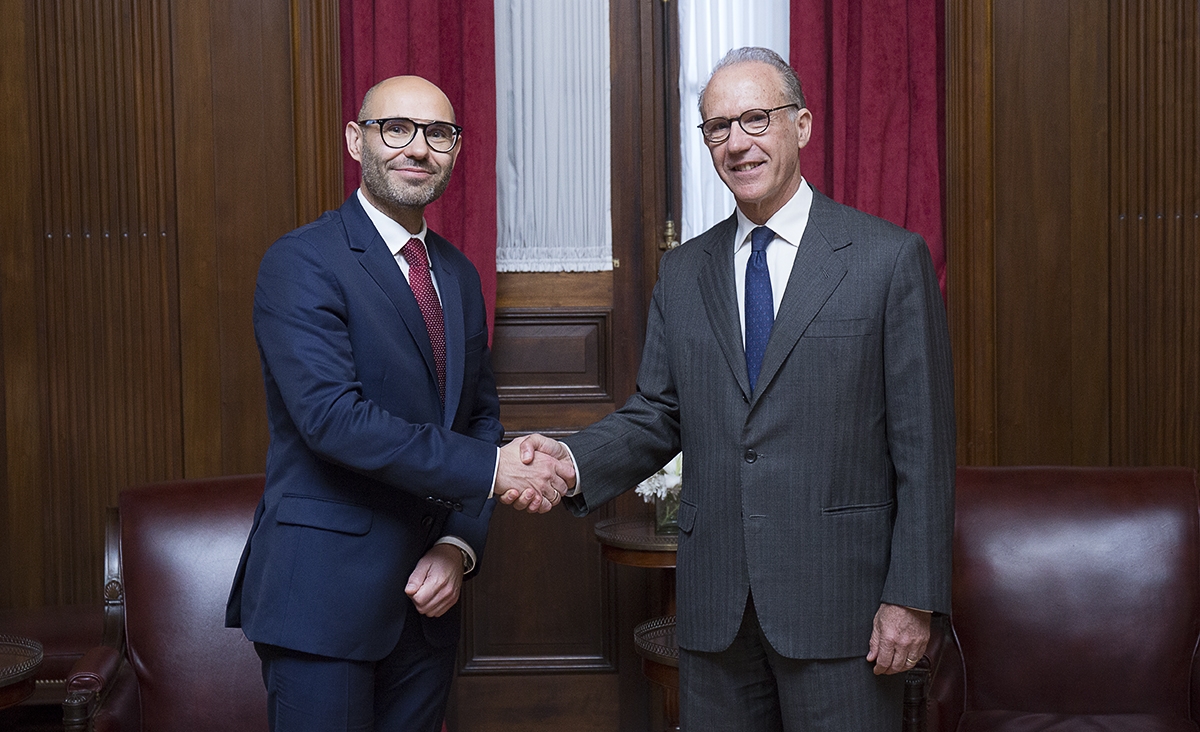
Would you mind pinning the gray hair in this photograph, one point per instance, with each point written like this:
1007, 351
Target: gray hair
789, 81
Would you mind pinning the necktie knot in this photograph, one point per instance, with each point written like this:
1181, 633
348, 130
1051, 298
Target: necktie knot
760, 237
413, 252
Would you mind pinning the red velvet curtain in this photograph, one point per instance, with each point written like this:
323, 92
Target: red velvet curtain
451, 43
873, 75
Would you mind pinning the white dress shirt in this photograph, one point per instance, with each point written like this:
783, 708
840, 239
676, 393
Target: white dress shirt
788, 223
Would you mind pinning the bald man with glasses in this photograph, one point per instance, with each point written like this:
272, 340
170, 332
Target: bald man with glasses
385, 434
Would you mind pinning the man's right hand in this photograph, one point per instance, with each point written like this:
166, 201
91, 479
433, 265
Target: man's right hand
533, 477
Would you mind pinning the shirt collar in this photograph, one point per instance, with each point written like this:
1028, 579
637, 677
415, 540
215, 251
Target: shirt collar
394, 235
788, 223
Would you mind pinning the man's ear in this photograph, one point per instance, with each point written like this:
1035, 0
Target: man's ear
803, 126
354, 140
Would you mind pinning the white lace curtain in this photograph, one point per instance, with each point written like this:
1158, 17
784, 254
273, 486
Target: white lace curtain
553, 161
707, 29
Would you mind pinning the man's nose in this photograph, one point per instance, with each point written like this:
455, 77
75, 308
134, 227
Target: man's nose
418, 148
739, 139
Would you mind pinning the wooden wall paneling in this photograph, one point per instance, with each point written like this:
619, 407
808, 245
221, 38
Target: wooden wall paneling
235, 97
1027, 96
1032, 254
1189, 232
316, 90
552, 357
256, 198
522, 297
111, 352
1155, 147
1072, 216
194, 128
23, 502
1088, 133
524, 619
970, 211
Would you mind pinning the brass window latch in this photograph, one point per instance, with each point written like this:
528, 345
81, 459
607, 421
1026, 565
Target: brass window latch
669, 238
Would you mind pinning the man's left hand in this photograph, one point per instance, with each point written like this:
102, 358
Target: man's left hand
435, 583
899, 638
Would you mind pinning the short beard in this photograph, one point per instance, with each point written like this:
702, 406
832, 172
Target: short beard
385, 189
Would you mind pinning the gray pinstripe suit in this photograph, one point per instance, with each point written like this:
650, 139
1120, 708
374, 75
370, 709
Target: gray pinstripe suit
830, 489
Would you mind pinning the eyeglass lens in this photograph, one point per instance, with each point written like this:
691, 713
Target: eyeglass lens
753, 121
400, 131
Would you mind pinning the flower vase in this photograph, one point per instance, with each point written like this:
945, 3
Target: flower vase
666, 514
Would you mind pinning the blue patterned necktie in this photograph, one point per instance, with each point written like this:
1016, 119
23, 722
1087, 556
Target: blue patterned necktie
760, 306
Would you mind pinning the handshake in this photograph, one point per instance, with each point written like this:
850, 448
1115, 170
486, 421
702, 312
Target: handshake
534, 473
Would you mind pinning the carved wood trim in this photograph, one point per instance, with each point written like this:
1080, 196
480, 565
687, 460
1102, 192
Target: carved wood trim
547, 356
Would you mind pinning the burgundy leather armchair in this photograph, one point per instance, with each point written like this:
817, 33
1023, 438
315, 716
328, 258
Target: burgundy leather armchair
1076, 603
168, 662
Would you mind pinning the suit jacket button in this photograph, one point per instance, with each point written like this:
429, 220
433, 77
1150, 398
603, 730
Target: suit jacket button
427, 521
457, 506
751, 455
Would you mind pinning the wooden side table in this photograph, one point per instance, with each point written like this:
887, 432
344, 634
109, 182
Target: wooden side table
20, 659
631, 541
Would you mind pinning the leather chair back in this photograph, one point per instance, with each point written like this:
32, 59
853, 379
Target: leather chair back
1077, 590
180, 545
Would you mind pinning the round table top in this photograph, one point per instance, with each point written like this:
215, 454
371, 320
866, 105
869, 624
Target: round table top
19, 658
655, 641
635, 533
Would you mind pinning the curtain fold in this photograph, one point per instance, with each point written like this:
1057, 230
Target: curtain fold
874, 81
554, 130
451, 43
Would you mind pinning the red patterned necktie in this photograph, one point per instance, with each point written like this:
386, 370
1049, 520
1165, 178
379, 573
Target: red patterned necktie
427, 299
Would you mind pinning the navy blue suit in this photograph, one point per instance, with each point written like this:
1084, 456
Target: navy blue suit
366, 469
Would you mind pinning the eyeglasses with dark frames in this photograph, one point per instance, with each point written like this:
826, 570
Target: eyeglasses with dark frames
753, 122
398, 132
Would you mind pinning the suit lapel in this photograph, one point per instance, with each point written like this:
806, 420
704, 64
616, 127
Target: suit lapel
815, 275
377, 260
719, 293
453, 318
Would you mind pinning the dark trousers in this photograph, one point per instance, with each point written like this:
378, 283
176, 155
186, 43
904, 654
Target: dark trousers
749, 686
405, 692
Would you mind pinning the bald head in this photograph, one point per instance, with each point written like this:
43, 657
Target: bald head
406, 96
401, 181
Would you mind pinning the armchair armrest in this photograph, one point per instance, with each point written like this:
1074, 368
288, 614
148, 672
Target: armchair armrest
94, 670
101, 693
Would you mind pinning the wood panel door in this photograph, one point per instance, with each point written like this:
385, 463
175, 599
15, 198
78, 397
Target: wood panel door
1074, 230
548, 633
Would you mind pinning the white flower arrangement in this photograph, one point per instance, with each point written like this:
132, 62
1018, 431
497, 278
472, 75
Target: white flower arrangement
667, 481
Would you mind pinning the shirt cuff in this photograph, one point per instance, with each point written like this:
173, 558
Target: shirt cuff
467, 552
578, 478
495, 474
